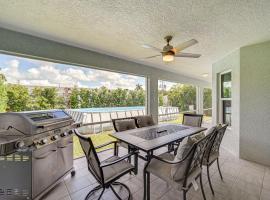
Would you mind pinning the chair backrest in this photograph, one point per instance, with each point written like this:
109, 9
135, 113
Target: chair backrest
93, 162
215, 141
144, 121
123, 124
196, 156
190, 119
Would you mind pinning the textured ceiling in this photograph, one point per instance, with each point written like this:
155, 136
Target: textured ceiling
119, 28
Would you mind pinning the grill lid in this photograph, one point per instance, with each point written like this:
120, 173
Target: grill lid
35, 122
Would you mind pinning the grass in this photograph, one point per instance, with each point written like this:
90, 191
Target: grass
104, 137
97, 140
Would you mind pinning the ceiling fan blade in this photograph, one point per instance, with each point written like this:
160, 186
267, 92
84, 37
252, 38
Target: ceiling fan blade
188, 55
185, 45
148, 46
152, 56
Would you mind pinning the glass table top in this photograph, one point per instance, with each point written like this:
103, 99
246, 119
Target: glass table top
157, 132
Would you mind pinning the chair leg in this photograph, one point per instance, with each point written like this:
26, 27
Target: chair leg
129, 158
219, 169
136, 164
116, 149
115, 193
148, 186
209, 180
94, 190
144, 184
201, 183
123, 185
169, 148
184, 194
101, 194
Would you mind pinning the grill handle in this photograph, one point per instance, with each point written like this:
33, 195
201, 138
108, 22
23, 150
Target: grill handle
45, 154
51, 124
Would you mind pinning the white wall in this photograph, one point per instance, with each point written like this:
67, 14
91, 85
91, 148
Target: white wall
249, 136
255, 103
230, 62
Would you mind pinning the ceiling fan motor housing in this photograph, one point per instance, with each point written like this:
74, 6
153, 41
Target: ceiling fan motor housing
168, 53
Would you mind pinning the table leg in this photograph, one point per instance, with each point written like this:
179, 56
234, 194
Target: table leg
146, 195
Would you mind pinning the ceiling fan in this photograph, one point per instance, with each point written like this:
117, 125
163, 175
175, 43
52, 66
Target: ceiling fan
169, 52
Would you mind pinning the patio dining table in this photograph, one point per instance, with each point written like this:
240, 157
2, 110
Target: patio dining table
150, 138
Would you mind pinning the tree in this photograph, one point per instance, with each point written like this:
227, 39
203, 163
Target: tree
104, 97
119, 97
3, 93
18, 98
45, 98
207, 101
182, 96
85, 98
50, 96
75, 99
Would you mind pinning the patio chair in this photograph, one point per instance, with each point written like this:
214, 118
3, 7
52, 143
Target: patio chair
185, 170
144, 121
106, 172
189, 119
212, 152
124, 124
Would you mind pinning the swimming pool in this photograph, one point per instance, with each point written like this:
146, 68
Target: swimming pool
109, 109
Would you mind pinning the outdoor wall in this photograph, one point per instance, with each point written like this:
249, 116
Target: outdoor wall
255, 103
249, 136
12, 42
230, 62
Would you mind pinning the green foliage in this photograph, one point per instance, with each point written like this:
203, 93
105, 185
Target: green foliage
182, 96
104, 97
207, 98
3, 93
45, 98
75, 101
207, 101
18, 98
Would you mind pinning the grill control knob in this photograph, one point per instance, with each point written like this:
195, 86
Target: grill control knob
55, 137
19, 144
70, 132
64, 134
43, 141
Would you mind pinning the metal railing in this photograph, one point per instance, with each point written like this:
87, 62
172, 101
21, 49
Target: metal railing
94, 122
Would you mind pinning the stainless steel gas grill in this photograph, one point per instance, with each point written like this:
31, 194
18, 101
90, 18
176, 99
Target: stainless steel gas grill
36, 152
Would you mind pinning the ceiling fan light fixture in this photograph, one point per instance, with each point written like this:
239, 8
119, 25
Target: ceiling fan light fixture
168, 56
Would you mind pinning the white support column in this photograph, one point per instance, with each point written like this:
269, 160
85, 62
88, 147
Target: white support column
199, 99
152, 97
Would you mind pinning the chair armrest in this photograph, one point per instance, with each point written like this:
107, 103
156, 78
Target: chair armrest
172, 162
105, 144
164, 160
119, 160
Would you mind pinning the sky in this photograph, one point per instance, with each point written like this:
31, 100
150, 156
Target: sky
41, 73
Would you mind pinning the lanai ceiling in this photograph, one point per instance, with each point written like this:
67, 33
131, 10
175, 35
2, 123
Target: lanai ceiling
119, 28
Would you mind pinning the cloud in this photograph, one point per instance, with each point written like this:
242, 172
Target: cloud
40, 73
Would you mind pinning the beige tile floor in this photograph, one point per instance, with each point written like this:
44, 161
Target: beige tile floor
243, 180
